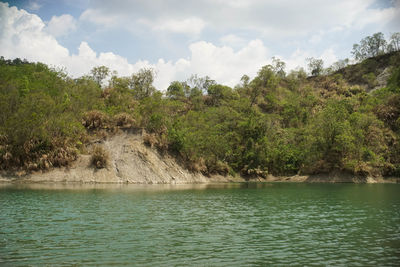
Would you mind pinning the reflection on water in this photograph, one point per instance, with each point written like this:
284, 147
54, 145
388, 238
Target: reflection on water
129, 187
123, 187
202, 224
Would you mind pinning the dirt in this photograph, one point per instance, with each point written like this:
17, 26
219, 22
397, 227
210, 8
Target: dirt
131, 161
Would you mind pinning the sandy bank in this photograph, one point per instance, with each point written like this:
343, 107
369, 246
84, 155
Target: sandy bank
133, 162
130, 162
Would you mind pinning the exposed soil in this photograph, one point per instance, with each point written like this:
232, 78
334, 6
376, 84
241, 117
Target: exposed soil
131, 161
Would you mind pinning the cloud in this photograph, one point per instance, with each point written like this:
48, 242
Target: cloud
22, 35
62, 25
275, 19
232, 40
191, 25
298, 58
224, 63
25, 35
97, 17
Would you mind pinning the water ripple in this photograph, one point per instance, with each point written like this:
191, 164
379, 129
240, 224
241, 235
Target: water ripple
267, 224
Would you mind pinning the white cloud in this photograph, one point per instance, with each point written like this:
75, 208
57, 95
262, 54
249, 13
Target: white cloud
271, 18
298, 58
191, 26
62, 25
329, 57
24, 35
97, 17
232, 40
316, 38
224, 64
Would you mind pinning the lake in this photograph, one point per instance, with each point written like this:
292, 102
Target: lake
214, 225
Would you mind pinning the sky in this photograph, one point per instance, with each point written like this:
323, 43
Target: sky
222, 39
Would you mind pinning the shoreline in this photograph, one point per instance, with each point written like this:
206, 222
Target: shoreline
45, 178
133, 162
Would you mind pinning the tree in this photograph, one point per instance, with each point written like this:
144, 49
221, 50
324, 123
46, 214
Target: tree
142, 83
175, 90
377, 44
342, 63
99, 74
266, 79
200, 83
219, 92
370, 46
394, 43
315, 66
278, 66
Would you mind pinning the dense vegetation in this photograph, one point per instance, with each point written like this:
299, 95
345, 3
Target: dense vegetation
275, 123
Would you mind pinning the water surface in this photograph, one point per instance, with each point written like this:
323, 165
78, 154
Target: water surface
213, 225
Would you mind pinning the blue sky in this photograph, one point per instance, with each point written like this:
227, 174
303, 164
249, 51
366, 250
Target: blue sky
223, 39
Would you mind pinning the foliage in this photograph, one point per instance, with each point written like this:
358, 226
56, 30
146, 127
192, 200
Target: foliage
100, 157
315, 66
375, 45
39, 116
275, 123
394, 42
99, 74
142, 83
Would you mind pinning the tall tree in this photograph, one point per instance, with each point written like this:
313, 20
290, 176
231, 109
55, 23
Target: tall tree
394, 43
99, 74
278, 67
370, 46
142, 83
315, 66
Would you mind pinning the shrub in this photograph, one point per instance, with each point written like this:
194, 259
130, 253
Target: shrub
100, 157
159, 141
94, 119
197, 165
370, 79
124, 120
150, 139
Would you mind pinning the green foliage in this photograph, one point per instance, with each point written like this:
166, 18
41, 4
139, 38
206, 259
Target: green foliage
99, 74
394, 42
372, 46
394, 80
142, 83
176, 90
39, 121
316, 66
272, 124
370, 79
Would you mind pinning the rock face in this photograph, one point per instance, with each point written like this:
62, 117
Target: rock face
130, 161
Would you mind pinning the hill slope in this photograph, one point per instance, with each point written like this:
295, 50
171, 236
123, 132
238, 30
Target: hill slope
275, 124
130, 162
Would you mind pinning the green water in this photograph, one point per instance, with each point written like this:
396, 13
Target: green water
221, 225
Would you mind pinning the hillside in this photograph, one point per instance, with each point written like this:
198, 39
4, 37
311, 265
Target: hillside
275, 124
130, 161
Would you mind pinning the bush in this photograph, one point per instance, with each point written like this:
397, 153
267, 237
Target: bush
99, 158
370, 79
124, 120
150, 139
94, 119
197, 165
159, 141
